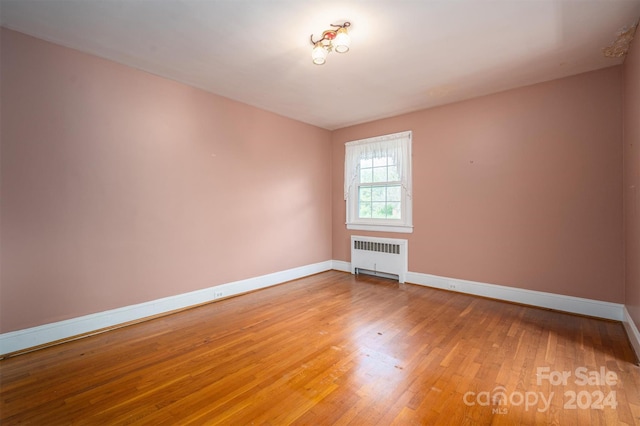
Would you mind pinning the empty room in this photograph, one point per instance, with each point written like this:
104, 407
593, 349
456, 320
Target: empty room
319, 212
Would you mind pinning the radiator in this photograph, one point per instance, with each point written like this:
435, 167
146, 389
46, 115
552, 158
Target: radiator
380, 256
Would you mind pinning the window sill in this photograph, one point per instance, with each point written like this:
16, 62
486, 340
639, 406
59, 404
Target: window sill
404, 229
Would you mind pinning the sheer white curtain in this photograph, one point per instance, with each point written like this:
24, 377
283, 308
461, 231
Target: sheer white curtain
396, 146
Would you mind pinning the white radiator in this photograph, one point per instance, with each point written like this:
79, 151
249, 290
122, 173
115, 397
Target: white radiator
381, 256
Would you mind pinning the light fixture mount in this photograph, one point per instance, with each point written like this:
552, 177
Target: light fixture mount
336, 39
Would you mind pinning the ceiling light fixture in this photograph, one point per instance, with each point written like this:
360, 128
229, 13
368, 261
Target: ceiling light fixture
337, 40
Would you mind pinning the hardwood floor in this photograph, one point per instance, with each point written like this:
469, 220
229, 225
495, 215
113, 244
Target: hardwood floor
335, 349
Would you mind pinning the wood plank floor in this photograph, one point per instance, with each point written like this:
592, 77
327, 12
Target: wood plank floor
335, 349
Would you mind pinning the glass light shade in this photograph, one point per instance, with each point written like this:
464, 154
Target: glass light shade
319, 54
342, 41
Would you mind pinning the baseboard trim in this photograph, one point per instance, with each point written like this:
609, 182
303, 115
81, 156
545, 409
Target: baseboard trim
558, 302
340, 265
48, 334
632, 333
41, 336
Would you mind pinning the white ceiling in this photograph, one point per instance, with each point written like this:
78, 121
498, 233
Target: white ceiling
405, 55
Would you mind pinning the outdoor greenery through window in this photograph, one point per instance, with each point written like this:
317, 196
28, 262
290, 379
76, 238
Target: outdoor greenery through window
378, 183
379, 190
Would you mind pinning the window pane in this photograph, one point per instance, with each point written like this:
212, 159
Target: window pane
364, 202
379, 161
393, 193
366, 175
380, 174
396, 212
364, 210
379, 193
380, 210
366, 163
365, 193
394, 176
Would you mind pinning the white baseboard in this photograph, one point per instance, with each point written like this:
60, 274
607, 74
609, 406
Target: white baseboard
340, 265
41, 335
559, 302
576, 305
36, 336
632, 332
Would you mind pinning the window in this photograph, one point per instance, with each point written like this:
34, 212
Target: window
377, 183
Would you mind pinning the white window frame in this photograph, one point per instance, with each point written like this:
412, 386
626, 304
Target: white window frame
400, 144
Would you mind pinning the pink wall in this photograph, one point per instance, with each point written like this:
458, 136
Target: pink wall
120, 187
520, 188
632, 180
